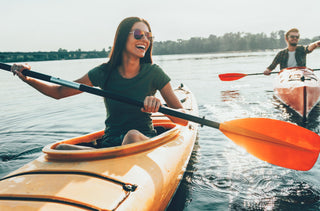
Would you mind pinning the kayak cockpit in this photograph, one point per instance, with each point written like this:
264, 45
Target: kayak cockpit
167, 131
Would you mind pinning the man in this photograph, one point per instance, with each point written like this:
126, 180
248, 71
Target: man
294, 55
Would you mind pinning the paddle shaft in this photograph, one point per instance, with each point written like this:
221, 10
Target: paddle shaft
272, 72
260, 73
237, 76
113, 96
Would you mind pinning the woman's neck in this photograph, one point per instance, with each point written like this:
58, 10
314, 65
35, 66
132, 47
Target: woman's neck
130, 67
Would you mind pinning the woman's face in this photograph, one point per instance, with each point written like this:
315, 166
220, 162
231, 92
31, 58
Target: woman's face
138, 47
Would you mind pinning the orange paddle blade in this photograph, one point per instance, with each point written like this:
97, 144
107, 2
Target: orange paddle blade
276, 142
231, 76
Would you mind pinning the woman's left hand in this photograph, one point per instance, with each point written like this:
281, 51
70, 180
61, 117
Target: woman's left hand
17, 69
151, 104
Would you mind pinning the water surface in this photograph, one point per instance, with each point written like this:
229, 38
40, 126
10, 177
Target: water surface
220, 175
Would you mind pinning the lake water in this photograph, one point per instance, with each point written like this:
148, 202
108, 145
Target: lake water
220, 174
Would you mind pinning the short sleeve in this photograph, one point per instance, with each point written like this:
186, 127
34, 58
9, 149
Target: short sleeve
275, 61
161, 78
97, 75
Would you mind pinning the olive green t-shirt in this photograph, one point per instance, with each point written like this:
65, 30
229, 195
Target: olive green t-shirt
122, 117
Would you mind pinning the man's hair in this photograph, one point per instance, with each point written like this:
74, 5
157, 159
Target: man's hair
291, 30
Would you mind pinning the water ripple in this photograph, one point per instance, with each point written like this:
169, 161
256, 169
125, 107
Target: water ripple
220, 174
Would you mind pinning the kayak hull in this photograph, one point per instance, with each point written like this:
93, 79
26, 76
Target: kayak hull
140, 176
299, 89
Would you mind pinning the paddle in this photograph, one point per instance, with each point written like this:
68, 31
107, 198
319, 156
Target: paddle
237, 76
277, 142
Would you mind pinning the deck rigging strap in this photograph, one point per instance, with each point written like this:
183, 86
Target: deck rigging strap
126, 186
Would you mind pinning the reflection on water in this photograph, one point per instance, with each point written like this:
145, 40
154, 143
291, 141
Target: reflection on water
183, 196
220, 175
312, 122
230, 95
290, 196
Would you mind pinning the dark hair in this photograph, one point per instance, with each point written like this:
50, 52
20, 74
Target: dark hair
120, 41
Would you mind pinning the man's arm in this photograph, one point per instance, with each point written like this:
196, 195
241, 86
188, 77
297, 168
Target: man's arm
313, 45
273, 65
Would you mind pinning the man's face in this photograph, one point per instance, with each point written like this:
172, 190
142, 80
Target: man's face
293, 38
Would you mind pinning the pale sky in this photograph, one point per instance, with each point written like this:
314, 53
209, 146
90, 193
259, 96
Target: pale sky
47, 25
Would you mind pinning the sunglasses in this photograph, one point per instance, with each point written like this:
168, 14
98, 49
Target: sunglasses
293, 36
138, 34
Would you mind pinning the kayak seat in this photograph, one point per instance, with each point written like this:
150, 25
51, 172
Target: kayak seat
161, 129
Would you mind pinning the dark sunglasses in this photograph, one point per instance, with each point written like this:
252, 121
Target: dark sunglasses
138, 34
293, 36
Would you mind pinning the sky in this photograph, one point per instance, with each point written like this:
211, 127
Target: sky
47, 25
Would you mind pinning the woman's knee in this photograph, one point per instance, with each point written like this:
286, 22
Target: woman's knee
133, 136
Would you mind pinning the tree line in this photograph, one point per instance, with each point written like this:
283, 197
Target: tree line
239, 41
228, 42
61, 54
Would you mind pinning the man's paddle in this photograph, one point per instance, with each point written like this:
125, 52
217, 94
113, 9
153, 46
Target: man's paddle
277, 142
237, 76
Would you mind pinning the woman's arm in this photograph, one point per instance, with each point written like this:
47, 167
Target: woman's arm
51, 90
173, 102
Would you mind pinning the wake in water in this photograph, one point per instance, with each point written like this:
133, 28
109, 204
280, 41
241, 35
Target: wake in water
22, 147
287, 114
19, 155
227, 171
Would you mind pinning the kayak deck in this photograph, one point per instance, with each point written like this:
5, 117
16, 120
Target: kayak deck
139, 176
299, 89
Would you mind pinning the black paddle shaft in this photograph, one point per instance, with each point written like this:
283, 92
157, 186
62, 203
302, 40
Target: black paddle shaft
113, 96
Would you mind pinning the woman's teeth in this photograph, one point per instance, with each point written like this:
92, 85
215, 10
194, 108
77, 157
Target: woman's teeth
141, 47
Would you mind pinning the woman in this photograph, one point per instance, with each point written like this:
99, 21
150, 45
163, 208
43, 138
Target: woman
128, 72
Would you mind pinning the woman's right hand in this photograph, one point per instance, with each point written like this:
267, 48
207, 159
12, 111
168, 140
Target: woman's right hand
17, 69
151, 104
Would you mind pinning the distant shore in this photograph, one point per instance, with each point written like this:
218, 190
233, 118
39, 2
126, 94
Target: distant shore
213, 44
61, 54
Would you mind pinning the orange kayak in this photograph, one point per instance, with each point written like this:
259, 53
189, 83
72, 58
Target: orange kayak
139, 176
298, 88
